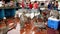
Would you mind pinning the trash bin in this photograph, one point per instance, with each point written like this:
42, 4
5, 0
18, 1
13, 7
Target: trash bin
2, 14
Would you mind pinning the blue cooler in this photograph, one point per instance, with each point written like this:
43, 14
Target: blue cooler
2, 14
53, 23
9, 12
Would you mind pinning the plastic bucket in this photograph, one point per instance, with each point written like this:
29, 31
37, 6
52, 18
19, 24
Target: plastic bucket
2, 14
9, 12
12, 12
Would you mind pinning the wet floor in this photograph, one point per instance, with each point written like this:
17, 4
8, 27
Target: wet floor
30, 29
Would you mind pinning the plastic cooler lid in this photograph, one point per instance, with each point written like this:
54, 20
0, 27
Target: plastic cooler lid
51, 18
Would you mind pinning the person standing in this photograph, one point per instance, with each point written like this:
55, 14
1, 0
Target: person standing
30, 5
56, 5
35, 5
22, 4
